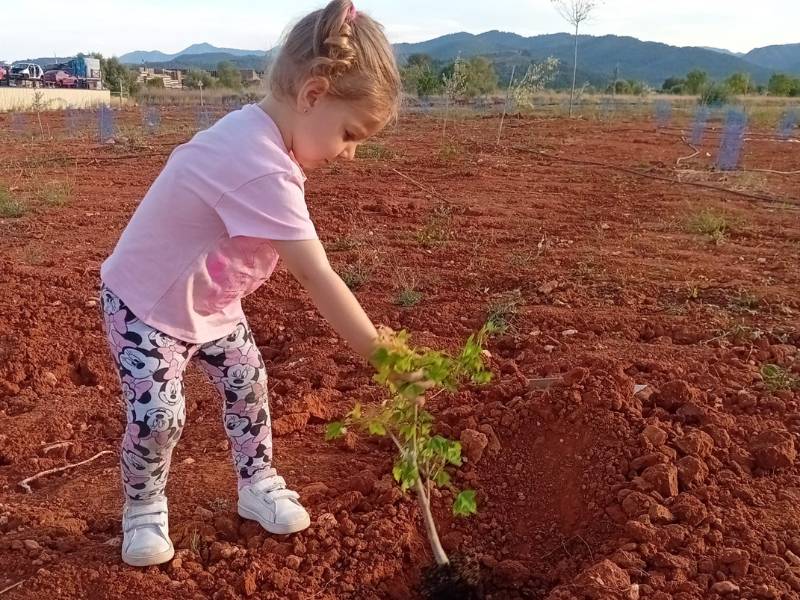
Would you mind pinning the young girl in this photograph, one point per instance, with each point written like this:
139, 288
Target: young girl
209, 231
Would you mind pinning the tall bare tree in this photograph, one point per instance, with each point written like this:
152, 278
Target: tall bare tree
575, 12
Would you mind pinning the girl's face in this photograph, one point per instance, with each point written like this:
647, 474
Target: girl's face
328, 129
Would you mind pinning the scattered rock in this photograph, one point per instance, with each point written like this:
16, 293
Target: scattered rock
603, 580
636, 504
664, 478
691, 471
774, 449
725, 587
640, 532
494, 441
290, 423
319, 405
473, 443
696, 443
660, 514
511, 573
655, 436
737, 560
220, 551
203, 513
675, 394
689, 509
293, 562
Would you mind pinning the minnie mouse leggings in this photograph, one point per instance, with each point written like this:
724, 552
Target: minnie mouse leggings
151, 366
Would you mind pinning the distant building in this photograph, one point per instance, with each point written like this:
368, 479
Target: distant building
173, 78
251, 77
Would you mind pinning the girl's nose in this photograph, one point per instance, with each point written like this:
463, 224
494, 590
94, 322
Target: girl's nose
349, 152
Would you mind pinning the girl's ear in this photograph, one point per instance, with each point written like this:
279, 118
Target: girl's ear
311, 92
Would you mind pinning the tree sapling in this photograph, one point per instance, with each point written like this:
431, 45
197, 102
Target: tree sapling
422, 457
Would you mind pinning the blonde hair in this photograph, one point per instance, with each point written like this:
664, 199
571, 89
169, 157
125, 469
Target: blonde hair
347, 48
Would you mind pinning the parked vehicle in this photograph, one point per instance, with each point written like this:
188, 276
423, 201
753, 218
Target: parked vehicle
3, 72
87, 70
26, 72
60, 78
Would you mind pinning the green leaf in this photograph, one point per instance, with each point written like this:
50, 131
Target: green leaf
465, 504
376, 428
442, 478
356, 412
453, 455
335, 430
405, 472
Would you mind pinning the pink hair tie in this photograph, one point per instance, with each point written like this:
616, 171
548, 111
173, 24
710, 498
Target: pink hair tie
351, 14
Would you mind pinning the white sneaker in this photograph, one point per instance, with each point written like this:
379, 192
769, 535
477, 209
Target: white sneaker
146, 534
277, 509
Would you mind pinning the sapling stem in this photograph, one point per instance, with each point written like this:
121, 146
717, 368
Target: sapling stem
430, 526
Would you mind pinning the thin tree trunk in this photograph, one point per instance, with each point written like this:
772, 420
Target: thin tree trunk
430, 527
446, 111
574, 71
505, 106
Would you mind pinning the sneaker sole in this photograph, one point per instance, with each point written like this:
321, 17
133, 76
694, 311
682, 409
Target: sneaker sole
277, 528
147, 561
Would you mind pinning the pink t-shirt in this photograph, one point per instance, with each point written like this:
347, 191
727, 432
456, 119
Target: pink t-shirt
200, 239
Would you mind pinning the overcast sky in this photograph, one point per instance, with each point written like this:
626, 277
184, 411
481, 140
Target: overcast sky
40, 28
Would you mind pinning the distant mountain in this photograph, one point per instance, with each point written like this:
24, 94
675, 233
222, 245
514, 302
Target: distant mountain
723, 51
598, 58
652, 62
154, 56
779, 58
209, 61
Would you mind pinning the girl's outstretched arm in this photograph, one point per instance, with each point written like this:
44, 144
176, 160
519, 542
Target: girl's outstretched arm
307, 261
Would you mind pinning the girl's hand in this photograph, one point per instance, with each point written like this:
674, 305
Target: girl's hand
417, 377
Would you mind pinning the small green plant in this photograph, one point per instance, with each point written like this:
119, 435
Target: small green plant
408, 297
777, 378
10, 207
503, 310
711, 223
715, 94
195, 542
54, 193
374, 152
437, 228
448, 152
454, 85
422, 457
355, 275
406, 287
745, 302
343, 242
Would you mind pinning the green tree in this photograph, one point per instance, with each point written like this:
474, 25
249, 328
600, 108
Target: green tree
781, 84
715, 94
194, 77
155, 83
228, 75
419, 59
419, 76
739, 83
117, 77
671, 83
695, 81
481, 77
